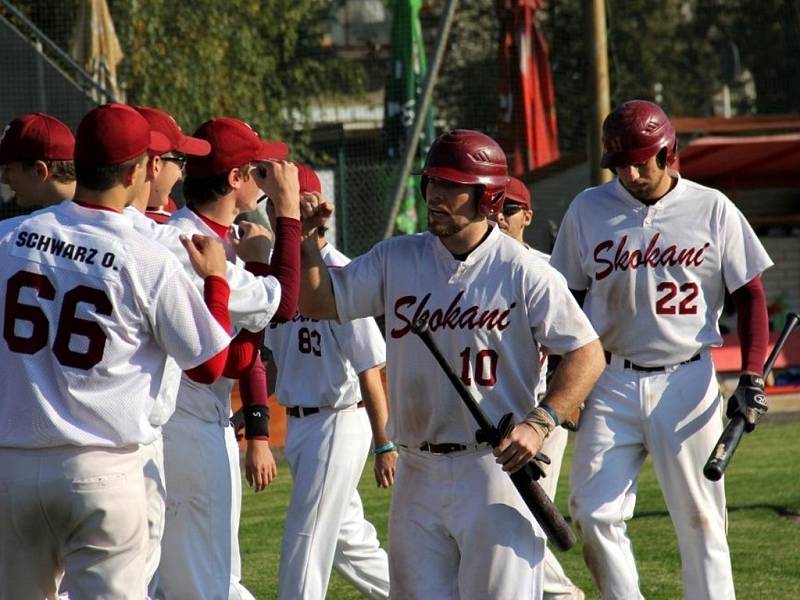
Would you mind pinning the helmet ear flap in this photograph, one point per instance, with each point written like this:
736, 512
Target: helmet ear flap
661, 158
423, 185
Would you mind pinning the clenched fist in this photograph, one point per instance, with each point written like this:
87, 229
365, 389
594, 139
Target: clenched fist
206, 254
748, 400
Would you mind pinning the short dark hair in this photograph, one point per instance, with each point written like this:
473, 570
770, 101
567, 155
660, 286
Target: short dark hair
62, 171
103, 177
205, 190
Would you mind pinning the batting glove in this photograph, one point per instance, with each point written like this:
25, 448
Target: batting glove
748, 400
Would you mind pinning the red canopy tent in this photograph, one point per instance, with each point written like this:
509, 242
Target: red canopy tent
762, 161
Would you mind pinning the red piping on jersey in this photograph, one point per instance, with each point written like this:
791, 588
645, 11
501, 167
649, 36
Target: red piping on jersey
752, 324
216, 293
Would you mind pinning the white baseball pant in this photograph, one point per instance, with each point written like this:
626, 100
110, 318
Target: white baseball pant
196, 548
237, 590
459, 530
675, 416
153, 458
325, 525
77, 510
557, 586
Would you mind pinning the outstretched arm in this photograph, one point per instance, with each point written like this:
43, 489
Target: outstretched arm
374, 398
316, 290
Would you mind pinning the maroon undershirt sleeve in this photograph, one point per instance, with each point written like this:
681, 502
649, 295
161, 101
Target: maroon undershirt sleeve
285, 267
253, 391
215, 293
752, 324
242, 353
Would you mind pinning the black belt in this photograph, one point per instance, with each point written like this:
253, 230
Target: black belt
305, 411
441, 448
630, 365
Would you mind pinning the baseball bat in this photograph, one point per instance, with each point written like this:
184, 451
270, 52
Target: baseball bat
732, 434
544, 511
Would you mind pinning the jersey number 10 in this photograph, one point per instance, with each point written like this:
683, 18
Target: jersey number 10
68, 323
485, 366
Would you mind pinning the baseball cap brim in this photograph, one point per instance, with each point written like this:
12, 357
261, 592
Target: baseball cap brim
273, 150
193, 146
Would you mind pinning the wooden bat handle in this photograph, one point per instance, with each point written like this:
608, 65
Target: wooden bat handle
544, 511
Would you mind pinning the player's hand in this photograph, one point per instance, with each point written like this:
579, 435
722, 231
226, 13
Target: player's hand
315, 212
259, 465
748, 400
254, 242
206, 254
519, 447
385, 465
278, 180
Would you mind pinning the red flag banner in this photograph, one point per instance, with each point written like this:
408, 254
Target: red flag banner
528, 130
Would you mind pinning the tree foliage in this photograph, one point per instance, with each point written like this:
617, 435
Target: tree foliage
666, 51
260, 61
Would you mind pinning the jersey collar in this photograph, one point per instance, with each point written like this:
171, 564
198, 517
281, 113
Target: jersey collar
623, 194
447, 257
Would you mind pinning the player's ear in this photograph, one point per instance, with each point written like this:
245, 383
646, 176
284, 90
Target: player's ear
42, 170
234, 178
154, 165
527, 217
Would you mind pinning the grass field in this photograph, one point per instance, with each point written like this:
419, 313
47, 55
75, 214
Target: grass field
763, 485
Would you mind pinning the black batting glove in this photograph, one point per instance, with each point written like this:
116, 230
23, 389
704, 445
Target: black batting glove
748, 400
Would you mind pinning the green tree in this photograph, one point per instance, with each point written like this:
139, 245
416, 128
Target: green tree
261, 61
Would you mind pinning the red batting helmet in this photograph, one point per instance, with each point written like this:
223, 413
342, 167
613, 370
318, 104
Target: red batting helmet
635, 131
471, 158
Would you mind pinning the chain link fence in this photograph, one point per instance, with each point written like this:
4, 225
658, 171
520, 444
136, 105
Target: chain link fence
696, 58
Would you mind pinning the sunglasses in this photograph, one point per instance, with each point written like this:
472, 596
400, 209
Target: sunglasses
178, 160
511, 209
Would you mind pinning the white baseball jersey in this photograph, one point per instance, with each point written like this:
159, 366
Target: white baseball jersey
655, 274
489, 314
255, 300
91, 309
319, 361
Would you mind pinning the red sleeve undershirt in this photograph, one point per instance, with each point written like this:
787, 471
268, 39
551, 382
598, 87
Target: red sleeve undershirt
242, 353
752, 324
215, 293
285, 267
253, 389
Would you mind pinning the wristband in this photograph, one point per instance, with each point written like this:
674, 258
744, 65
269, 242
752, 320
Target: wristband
390, 447
550, 411
256, 421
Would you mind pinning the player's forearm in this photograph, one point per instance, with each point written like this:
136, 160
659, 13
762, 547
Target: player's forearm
752, 325
374, 397
285, 267
316, 290
242, 353
253, 391
574, 378
216, 294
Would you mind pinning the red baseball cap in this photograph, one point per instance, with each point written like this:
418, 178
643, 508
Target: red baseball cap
309, 181
233, 144
113, 133
164, 123
36, 136
517, 192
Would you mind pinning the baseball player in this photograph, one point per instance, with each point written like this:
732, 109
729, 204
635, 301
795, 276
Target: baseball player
36, 156
198, 548
327, 442
167, 170
653, 254
92, 310
458, 527
513, 219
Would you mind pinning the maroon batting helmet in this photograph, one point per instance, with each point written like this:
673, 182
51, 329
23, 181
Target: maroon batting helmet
471, 158
635, 131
